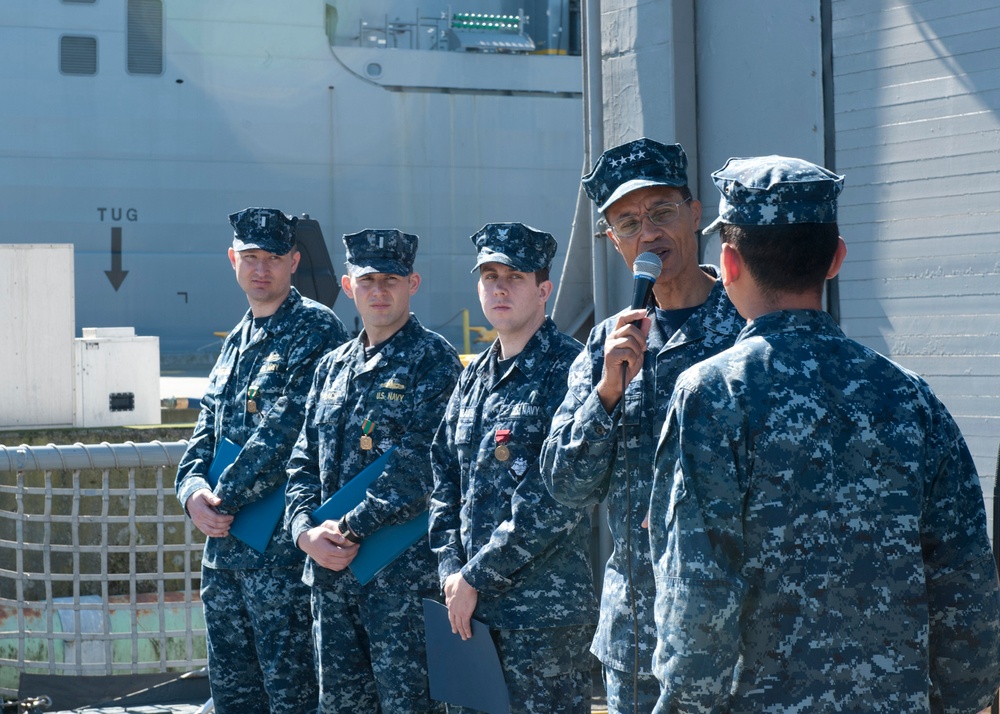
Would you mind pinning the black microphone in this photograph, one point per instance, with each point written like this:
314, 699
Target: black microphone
645, 271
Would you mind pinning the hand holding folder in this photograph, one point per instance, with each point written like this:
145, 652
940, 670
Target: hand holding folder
387, 543
253, 524
463, 672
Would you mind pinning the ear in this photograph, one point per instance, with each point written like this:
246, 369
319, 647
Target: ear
614, 240
296, 257
345, 284
414, 279
695, 213
838, 259
232, 258
545, 290
731, 263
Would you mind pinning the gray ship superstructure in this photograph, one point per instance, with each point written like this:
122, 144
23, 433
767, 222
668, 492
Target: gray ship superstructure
133, 127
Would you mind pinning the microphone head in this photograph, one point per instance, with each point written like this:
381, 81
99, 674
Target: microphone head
647, 265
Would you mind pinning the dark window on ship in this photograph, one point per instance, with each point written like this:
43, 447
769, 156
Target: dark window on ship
77, 54
145, 36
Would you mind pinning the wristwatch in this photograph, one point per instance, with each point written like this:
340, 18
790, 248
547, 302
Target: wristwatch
345, 530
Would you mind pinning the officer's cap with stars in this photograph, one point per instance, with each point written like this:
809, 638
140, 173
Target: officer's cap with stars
637, 164
263, 229
380, 251
521, 247
775, 190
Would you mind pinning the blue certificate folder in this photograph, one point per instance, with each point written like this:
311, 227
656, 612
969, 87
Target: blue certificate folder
388, 542
254, 524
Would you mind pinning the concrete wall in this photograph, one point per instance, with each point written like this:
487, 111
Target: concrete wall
903, 98
918, 135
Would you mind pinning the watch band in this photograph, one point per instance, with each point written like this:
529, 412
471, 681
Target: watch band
345, 530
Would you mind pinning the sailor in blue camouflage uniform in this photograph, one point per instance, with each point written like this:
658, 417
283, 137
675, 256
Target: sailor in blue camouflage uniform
602, 441
508, 553
387, 388
817, 523
256, 608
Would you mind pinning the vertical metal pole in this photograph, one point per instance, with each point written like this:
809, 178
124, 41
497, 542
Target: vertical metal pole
995, 704
829, 131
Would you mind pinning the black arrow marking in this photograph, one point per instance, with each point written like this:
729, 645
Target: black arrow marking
116, 276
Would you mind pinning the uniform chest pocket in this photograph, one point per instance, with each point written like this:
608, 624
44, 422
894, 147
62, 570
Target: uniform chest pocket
464, 431
331, 400
529, 428
523, 441
632, 402
390, 391
327, 410
267, 385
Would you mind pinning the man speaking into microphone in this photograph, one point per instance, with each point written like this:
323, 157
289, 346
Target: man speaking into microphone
603, 437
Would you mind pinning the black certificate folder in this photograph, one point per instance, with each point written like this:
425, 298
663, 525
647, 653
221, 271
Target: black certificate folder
463, 672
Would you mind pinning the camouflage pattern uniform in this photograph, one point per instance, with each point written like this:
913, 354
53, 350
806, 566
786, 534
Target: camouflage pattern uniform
819, 535
527, 555
256, 609
492, 520
370, 639
817, 523
584, 457
584, 460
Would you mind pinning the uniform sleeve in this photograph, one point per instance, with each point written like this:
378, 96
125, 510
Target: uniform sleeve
537, 521
260, 466
577, 458
964, 597
192, 471
699, 593
404, 489
446, 501
303, 492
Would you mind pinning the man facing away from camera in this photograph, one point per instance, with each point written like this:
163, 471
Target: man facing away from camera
817, 524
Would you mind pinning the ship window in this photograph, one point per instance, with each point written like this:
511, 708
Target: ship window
145, 36
77, 54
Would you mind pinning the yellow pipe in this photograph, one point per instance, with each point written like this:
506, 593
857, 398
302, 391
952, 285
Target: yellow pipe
467, 348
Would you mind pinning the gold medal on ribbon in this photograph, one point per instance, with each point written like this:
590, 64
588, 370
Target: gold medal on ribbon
502, 452
366, 440
252, 399
252, 406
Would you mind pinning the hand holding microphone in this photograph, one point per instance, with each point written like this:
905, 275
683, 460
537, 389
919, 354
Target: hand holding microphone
625, 345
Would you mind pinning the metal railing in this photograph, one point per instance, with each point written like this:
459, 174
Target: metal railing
99, 566
432, 32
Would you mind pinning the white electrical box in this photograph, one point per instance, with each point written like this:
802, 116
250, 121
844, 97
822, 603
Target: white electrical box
117, 378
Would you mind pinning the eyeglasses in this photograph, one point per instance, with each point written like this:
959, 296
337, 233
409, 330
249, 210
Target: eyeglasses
661, 215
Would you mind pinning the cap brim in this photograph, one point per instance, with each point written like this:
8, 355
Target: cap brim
239, 246
630, 186
389, 266
713, 226
482, 260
